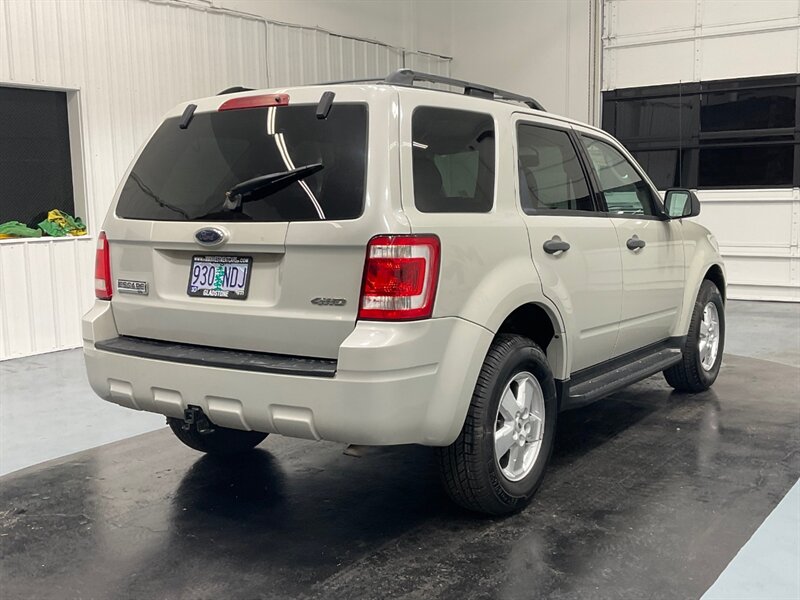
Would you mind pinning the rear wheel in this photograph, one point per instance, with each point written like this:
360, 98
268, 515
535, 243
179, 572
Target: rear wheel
498, 460
218, 440
702, 351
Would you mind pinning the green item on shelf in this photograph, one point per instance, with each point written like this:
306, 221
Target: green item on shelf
15, 229
60, 224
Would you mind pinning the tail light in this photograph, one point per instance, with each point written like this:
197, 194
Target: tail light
255, 101
102, 269
400, 277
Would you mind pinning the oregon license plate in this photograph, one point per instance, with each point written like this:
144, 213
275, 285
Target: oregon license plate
220, 277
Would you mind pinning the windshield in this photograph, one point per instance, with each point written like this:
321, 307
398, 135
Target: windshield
183, 174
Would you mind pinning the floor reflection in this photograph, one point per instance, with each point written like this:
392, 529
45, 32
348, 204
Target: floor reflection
650, 493
238, 488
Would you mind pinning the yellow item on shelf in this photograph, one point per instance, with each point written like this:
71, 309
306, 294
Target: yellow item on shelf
60, 224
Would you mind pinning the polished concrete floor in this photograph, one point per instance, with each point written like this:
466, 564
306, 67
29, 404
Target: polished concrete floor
767, 330
768, 565
48, 410
650, 495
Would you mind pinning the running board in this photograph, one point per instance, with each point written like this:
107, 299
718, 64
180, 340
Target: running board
580, 391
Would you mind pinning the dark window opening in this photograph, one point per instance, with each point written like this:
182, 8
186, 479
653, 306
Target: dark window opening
35, 161
763, 166
453, 160
664, 118
662, 166
771, 108
713, 134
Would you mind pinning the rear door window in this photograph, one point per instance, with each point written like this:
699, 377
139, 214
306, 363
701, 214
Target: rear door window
453, 154
550, 173
184, 174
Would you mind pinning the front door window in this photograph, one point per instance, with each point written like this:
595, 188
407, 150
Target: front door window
625, 192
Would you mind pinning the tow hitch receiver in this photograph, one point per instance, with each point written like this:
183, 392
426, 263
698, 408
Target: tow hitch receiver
194, 415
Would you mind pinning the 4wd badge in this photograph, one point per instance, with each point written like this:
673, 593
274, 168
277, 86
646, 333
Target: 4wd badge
329, 301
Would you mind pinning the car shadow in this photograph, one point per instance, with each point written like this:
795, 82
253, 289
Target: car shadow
367, 499
308, 504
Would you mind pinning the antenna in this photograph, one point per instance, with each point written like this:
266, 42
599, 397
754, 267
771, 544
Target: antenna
680, 133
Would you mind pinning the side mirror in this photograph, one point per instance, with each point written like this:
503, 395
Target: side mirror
680, 203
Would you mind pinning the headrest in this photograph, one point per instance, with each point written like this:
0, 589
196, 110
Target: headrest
529, 158
428, 189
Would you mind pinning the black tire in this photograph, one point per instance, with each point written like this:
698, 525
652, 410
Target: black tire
220, 441
689, 374
468, 467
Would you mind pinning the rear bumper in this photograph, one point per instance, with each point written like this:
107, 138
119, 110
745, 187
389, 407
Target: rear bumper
238, 360
395, 383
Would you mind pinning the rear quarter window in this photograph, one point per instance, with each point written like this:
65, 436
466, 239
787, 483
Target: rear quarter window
453, 160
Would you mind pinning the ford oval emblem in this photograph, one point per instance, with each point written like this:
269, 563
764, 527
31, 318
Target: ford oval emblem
210, 236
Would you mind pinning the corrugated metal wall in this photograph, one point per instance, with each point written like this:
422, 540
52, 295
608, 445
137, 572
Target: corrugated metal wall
45, 285
300, 55
651, 43
759, 237
427, 63
124, 64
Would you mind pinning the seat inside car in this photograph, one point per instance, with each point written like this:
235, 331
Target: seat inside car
429, 193
529, 187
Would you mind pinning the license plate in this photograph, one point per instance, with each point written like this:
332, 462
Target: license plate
220, 277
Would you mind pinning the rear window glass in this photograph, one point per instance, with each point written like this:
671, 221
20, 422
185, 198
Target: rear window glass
184, 174
550, 174
453, 160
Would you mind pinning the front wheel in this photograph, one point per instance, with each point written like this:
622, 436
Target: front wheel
702, 351
499, 458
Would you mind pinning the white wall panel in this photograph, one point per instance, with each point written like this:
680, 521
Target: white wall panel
300, 56
730, 56
544, 49
388, 21
668, 41
759, 237
632, 18
44, 290
427, 63
626, 63
125, 63
727, 12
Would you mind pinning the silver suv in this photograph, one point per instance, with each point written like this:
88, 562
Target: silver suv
379, 263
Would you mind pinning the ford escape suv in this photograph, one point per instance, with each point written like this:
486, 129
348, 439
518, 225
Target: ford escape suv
380, 263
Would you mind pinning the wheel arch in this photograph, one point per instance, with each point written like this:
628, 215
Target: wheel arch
522, 309
696, 274
540, 323
716, 275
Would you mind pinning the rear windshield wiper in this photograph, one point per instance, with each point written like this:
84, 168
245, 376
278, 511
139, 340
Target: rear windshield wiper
264, 185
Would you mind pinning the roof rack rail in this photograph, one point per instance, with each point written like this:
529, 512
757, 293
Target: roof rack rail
408, 77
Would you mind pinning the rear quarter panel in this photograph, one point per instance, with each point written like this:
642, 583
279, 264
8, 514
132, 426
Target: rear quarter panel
486, 267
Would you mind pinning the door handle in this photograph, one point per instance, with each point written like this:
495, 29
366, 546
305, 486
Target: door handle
555, 245
635, 243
